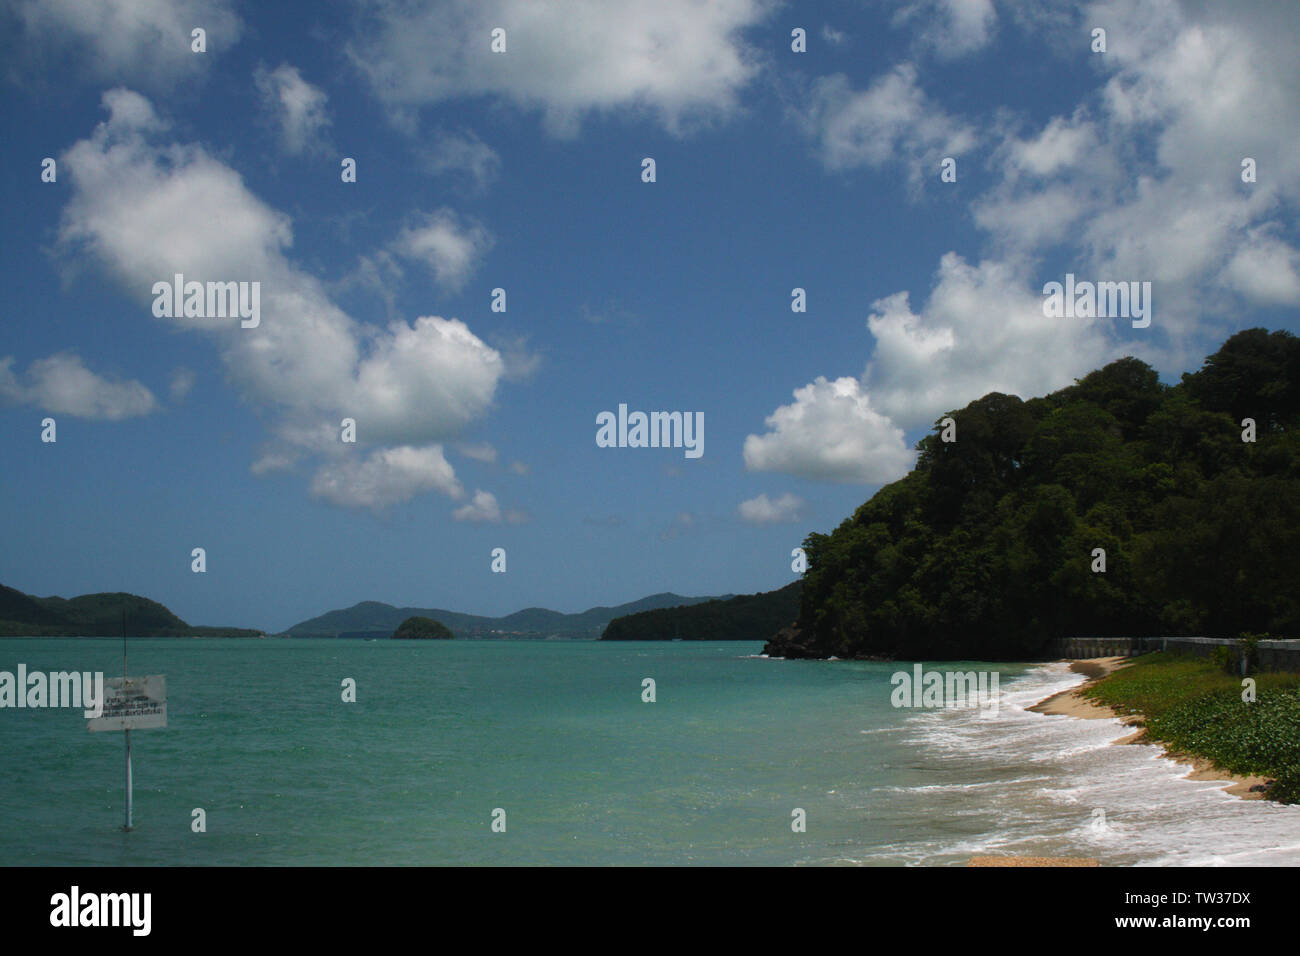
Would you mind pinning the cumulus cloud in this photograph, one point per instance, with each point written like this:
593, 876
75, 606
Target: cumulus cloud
765, 510
891, 121
295, 106
449, 246
981, 330
483, 509
1135, 182
147, 209
386, 477
143, 42
830, 433
678, 58
426, 380
61, 384
1265, 270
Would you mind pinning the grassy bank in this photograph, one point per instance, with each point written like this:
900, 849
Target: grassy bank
1192, 706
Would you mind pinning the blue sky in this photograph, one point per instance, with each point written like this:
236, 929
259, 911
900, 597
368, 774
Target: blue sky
522, 170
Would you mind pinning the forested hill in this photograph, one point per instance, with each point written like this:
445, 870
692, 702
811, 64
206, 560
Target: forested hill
986, 549
747, 617
97, 615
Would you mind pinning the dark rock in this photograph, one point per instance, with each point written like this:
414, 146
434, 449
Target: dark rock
790, 643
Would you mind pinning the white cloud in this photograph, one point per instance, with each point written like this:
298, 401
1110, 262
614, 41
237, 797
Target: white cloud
483, 452
832, 36
520, 361
765, 510
1061, 144
951, 28
147, 210
483, 509
981, 330
386, 477
297, 107
1142, 181
424, 381
464, 153
451, 248
61, 384
891, 121
678, 58
144, 42
180, 384
1266, 270
275, 458
830, 433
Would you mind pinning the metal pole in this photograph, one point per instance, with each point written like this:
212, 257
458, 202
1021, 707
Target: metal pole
128, 826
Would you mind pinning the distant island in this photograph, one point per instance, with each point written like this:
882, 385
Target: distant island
422, 629
746, 617
375, 619
1118, 506
97, 615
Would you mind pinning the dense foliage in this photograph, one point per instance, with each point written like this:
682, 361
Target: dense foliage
747, 617
422, 628
985, 550
1192, 706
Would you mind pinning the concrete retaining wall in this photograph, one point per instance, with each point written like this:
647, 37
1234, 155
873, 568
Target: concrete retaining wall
1273, 655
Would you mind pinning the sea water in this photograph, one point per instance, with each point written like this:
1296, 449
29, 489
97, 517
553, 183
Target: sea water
555, 740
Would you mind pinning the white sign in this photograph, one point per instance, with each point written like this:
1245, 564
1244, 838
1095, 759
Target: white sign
133, 703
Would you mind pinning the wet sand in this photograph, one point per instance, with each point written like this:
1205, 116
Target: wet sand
1072, 703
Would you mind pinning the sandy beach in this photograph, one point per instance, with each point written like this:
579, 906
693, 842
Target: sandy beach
1072, 703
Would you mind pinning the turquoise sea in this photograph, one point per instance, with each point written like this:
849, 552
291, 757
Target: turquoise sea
557, 735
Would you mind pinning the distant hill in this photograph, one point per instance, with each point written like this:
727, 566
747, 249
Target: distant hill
747, 617
97, 615
375, 619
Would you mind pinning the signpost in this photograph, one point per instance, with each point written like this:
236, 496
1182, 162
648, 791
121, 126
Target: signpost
131, 703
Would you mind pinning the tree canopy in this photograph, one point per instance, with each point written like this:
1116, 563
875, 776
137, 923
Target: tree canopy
423, 628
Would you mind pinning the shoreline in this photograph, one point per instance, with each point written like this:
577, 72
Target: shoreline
1072, 703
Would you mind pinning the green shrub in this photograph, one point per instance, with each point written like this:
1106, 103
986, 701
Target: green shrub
1248, 647
1192, 706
